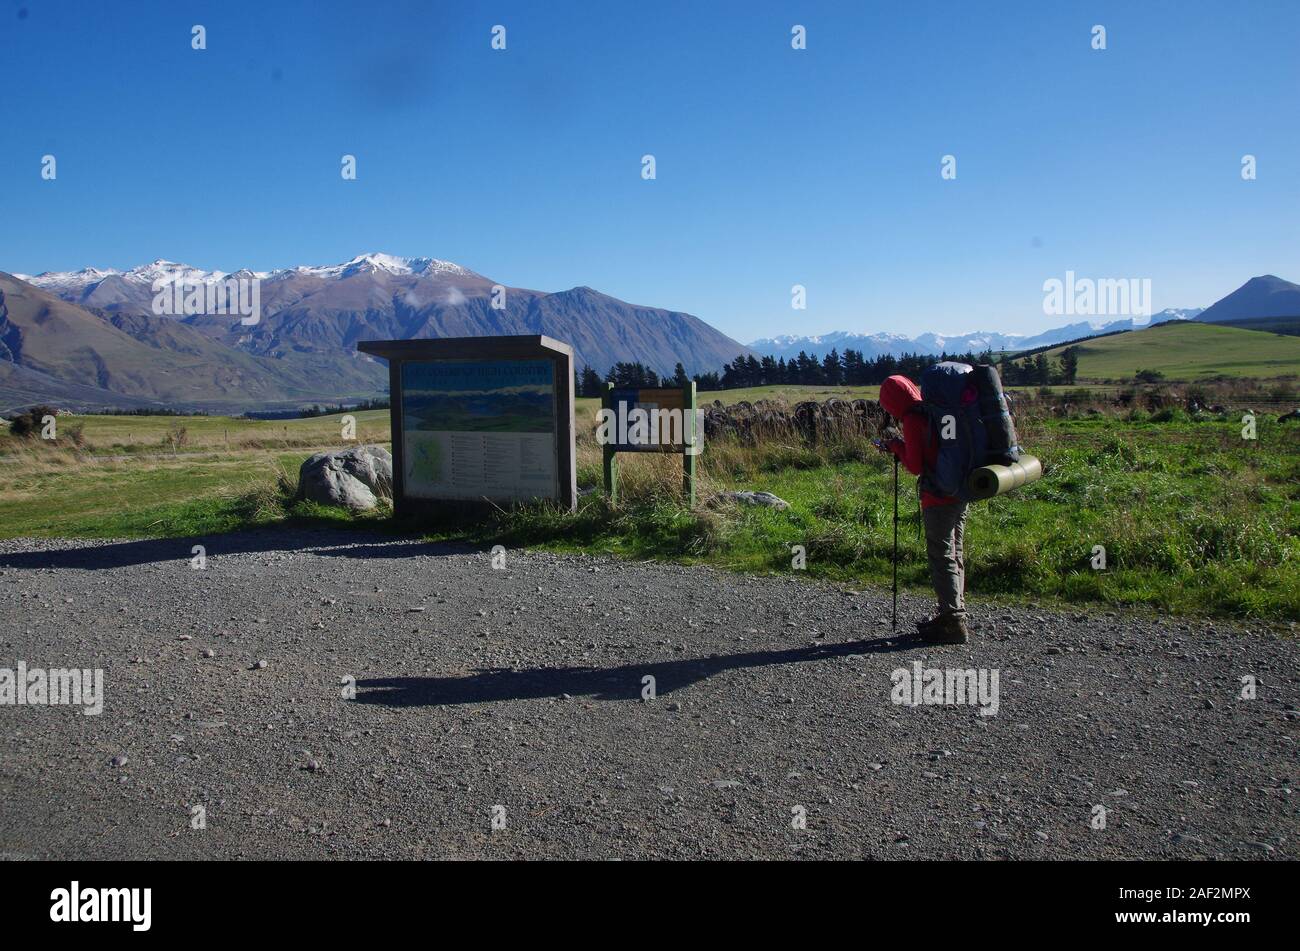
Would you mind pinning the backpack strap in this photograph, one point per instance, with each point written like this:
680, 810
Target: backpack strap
928, 412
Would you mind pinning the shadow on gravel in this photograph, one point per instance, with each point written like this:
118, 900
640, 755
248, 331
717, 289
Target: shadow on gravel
612, 683
337, 544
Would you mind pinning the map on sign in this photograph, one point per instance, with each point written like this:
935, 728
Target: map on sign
479, 429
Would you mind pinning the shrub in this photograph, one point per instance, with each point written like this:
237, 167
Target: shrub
177, 437
29, 424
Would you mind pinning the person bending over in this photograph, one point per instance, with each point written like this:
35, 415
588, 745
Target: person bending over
944, 515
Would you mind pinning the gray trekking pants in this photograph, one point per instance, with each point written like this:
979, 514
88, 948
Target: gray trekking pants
945, 526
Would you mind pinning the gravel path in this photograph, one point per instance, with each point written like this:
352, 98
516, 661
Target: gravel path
516, 693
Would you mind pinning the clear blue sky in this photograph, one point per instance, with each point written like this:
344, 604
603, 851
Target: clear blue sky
775, 166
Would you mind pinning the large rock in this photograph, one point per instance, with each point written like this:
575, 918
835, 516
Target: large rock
355, 478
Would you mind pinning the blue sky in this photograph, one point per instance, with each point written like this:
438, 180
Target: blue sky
774, 166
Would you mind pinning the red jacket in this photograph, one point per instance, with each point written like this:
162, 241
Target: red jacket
916, 450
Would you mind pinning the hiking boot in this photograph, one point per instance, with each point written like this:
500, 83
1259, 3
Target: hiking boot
928, 623
944, 629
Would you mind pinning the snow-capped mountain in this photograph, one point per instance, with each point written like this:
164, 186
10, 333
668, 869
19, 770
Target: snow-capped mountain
879, 344
932, 344
381, 263
368, 282
87, 279
84, 277
311, 319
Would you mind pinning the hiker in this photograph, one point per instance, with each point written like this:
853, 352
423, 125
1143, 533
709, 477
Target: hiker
944, 515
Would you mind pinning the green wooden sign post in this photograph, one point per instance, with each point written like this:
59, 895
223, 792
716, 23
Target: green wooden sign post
619, 401
609, 461
694, 443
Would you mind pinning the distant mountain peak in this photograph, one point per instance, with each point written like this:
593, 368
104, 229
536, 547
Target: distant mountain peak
933, 344
379, 262
163, 269
1264, 296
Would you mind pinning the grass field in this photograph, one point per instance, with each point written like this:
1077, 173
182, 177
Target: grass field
1188, 351
162, 475
1193, 518
109, 435
586, 407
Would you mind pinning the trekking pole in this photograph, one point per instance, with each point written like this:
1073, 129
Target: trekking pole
893, 624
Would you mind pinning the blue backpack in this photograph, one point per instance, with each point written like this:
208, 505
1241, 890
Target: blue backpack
969, 424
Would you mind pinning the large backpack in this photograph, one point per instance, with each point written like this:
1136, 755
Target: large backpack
969, 423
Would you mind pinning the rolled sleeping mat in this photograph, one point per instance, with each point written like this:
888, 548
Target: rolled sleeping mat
998, 424
988, 481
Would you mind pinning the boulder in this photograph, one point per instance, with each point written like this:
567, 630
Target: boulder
355, 478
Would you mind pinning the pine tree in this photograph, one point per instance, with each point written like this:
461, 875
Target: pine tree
1070, 365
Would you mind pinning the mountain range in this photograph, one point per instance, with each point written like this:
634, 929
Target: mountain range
932, 344
1266, 302
92, 337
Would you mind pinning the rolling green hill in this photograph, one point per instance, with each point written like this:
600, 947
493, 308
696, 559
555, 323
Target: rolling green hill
1187, 351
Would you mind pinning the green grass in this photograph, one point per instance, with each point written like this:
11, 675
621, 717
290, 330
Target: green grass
139, 476
113, 435
1188, 351
1193, 518
586, 406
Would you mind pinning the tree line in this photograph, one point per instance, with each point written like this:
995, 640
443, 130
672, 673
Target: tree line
633, 375
851, 368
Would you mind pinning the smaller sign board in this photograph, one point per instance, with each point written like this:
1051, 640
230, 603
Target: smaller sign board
650, 419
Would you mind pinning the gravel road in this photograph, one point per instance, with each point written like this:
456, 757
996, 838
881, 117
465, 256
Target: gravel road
514, 697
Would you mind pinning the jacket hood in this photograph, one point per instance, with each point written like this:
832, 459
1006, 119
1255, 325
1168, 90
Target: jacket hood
898, 394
